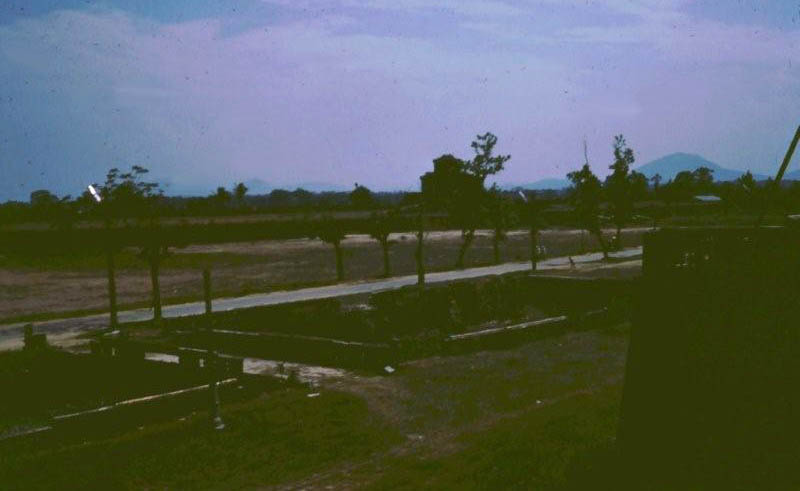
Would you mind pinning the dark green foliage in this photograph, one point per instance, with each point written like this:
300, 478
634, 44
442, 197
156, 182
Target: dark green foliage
222, 198
267, 441
381, 226
361, 198
239, 192
330, 231
457, 187
126, 195
500, 216
40, 384
175, 235
586, 195
623, 187
485, 163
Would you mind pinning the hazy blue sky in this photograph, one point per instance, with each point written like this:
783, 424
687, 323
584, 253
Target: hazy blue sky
292, 91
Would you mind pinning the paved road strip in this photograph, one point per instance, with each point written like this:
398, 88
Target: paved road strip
65, 329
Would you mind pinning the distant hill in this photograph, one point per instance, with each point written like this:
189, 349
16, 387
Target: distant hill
670, 165
792, 176
257, 186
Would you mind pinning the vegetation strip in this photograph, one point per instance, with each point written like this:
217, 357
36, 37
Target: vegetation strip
32, 431
138, 400
300, 337
514, 327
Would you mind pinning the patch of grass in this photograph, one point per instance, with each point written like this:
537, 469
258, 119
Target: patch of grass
552, 447
40, 384
270, 440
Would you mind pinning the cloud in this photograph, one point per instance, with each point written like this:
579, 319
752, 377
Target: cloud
341, 95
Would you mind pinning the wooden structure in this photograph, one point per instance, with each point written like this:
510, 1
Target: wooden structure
711, 395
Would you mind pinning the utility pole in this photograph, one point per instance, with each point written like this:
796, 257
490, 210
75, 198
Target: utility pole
419, 253
777, 182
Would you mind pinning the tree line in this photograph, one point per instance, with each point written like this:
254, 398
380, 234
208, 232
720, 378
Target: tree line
455, 188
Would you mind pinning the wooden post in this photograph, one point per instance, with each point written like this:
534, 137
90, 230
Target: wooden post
212, 362
534, 239
419, 253
153, 258
112, 289
776, 184
337, 248
207, 289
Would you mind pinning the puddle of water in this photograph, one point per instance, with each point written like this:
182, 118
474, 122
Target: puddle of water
305, 373
162, 357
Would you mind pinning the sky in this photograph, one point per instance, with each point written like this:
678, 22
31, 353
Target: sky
333, 92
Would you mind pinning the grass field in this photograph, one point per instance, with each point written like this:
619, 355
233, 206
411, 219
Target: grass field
533, 417
36, 288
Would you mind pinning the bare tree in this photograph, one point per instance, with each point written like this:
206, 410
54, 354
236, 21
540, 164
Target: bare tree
586, 195
124, 196
501, 218
330, 231
381, 226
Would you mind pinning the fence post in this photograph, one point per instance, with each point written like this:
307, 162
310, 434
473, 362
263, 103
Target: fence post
212, 361
112, 288
207, 289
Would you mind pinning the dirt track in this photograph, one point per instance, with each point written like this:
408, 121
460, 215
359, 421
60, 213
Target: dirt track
245, 268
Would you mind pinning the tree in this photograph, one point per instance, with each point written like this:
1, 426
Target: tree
48, 207
239, 192
381, 226
656, 180
533, 212
620, 186
279, 198
330, 231
127, 196
501, 218
221, 198
485, 163
361, 198
586, 195
747, 194
703, 180
124, 196
457, 186
452, 189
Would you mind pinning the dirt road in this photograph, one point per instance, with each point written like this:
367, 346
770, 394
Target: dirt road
64, 331
76, 284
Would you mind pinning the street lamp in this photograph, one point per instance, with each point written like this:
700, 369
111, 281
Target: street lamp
94, 193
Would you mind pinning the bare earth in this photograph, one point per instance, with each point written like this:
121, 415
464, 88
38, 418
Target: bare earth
244, 268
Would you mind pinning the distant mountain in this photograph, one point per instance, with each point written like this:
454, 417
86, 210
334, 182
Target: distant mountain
318, 187
257, 186
792, 176
178, 189
670, 165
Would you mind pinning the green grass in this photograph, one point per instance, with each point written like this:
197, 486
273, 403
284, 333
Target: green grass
552, 447
38, 385
269, 440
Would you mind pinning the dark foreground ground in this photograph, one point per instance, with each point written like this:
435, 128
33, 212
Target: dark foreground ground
539, 416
